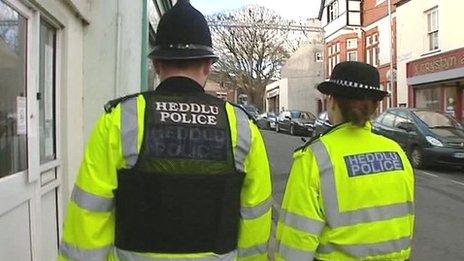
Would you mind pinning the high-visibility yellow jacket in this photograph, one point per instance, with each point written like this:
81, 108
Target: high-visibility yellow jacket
89, 225
349, 196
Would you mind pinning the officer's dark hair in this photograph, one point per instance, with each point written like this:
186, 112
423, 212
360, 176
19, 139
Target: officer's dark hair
184, 64
359, 112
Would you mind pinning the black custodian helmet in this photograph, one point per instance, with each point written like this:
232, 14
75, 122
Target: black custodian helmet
183, 34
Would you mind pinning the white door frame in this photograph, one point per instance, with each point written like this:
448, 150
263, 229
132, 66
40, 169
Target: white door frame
30, 185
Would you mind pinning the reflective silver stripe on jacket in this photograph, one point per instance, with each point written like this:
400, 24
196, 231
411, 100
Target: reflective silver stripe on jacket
91, 202
243, 139
257, 211
78, 254
301, 223
291, 253
129, 131
335, 218
254, 250
134, 256
373, 249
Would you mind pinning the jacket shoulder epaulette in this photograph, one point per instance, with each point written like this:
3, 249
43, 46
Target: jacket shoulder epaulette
308, 143
109, 106
247, 113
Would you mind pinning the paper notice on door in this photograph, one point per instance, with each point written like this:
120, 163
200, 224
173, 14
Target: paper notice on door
21, 115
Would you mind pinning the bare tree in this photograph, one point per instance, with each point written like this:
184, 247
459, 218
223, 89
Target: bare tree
251, 56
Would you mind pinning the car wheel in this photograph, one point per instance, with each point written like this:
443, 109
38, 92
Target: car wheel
292, 130
277, 128
417, 158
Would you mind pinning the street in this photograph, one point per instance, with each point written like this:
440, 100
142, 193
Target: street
439, 229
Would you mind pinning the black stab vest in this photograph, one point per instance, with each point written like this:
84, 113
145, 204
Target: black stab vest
183, 194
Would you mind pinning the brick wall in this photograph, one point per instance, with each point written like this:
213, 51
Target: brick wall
372, 12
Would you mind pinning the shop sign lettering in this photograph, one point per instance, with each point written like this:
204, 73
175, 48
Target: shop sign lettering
439, 63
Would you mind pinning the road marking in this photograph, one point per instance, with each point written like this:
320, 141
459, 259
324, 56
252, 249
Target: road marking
428, 174
436, 176
457, 182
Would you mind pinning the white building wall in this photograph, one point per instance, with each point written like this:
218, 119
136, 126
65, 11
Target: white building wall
283, 102
112, 55
412, 36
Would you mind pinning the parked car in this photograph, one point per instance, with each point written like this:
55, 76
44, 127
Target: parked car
322, 123
296, 122
266, 121
428, 137
252, 110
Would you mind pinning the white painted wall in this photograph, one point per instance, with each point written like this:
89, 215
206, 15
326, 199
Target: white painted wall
112, 55
82, 7
412, 34
282, 85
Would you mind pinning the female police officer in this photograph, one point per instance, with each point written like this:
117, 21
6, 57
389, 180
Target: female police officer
350, 192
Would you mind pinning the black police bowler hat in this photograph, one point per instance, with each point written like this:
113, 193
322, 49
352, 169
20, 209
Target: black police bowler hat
183, 34
354, 80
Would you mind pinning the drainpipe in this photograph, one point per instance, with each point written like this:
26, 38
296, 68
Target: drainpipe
393, 94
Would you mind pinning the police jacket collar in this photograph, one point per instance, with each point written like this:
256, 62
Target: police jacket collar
179, 85
348, 124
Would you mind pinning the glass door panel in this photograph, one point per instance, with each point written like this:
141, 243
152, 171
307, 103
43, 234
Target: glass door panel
13, 111
47, 92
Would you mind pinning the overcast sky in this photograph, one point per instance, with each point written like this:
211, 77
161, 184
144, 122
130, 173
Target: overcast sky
288, 8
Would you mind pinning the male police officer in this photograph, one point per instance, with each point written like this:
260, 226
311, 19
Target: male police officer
172, 174
350, 193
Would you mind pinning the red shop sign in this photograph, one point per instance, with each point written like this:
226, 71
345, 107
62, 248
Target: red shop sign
438, 63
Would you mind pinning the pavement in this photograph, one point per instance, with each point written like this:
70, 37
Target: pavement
439, 228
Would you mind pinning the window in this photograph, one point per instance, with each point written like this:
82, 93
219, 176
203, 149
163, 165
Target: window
352, 43
451, 95
428, 98
47, 92
13, 118
388, 119
333, 57
353, 56
432, 29
332, 11
400, 119
372, 49
319, 57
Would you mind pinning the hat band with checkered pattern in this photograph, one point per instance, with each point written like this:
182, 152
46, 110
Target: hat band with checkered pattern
354, 84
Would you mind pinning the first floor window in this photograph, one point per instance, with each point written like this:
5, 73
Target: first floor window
353, 56
432, 29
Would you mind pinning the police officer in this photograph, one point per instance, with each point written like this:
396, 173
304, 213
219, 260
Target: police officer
172, 174
350, 193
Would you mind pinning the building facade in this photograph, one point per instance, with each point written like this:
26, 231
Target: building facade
361, 30
60, 62
300, 75
431, 55
296, 90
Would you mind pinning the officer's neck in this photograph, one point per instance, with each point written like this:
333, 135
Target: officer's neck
336, 116
200, 79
